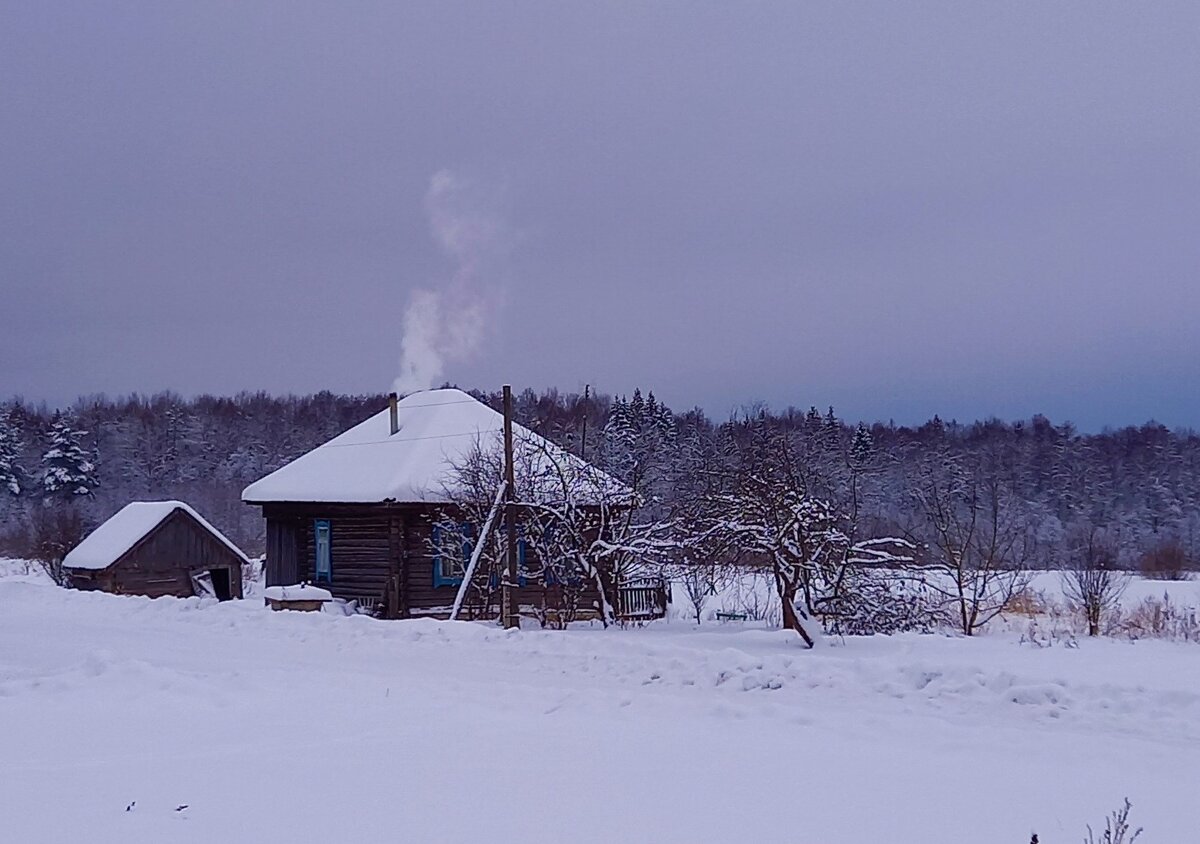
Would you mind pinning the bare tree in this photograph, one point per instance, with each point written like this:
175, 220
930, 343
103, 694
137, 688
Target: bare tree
977, 541
1116, 828
701, 580
580, 526
1092, 581
55, 532
766, 509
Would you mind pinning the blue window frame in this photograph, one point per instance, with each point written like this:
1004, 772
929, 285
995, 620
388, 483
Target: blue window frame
522, 574
448, 570
322, 551
522, 577
572, 579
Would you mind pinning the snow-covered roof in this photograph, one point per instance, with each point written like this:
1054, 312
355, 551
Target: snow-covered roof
438, 430
107, 543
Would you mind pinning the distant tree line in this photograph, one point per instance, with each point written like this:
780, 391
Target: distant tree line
985, 497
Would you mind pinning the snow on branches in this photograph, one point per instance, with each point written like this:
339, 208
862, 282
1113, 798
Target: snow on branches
977, 537
10, 456
770, 500
578, 527
66, 469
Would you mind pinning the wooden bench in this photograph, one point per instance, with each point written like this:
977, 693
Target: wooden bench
731, 616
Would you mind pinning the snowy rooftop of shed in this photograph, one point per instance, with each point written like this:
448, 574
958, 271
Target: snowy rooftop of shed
438, 431
107, 543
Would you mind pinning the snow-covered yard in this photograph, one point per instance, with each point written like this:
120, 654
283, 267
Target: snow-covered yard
314, 727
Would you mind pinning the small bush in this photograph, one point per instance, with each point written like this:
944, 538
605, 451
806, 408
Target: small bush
1155, 619
14, 541
1116, 828
1027, 602
55, 532
1054, 633
1168, 561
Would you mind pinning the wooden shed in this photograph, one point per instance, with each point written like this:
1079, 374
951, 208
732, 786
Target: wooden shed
157, 548
359, 515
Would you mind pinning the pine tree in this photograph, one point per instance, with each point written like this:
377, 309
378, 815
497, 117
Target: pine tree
831, 421
66, 469
10, 454
862, 446
665, 421
637, 411
620, 430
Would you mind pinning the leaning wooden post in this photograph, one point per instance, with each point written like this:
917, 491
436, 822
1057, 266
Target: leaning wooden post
480, 544
509, 610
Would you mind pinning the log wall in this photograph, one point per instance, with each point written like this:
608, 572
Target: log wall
381, 556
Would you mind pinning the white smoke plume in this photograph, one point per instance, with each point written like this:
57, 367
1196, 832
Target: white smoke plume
445, 323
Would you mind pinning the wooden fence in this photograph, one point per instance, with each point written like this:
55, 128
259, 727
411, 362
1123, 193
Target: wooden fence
643, 599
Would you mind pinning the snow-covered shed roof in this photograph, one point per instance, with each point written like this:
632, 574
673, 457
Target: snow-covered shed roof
438, 431
128, 526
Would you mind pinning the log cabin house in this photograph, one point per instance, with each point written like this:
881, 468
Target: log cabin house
157, 548
360, 515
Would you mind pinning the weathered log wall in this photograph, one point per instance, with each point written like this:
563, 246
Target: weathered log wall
382, 556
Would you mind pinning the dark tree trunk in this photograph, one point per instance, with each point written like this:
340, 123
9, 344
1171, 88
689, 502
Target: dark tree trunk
787, 600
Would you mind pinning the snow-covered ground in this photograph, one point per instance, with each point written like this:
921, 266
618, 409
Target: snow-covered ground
753, 595
1137, 589
315, 727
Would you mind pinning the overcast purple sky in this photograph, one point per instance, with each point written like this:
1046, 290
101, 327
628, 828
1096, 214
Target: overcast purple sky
898, 209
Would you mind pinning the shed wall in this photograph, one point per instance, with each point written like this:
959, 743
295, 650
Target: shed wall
163, 562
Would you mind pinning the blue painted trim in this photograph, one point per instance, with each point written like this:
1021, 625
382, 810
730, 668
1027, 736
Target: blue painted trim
320, 525
522, 580
438, 580
467, 532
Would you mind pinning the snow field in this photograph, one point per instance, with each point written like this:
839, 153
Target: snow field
307, 726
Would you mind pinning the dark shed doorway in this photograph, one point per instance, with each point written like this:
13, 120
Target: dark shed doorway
220, 582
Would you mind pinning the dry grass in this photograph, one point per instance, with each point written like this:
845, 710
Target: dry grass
1158, 619
1029, 603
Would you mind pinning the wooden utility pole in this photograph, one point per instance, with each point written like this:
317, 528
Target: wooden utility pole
509, 611
587, 394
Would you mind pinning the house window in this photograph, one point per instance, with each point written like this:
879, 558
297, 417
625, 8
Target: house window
557, 572
322, 557
449, 562
523, 574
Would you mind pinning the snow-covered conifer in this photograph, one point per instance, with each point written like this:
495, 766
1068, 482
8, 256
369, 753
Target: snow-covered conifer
10, 455
637, 410
66, 469
862, 446
651, 411
813, 419
667, 428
